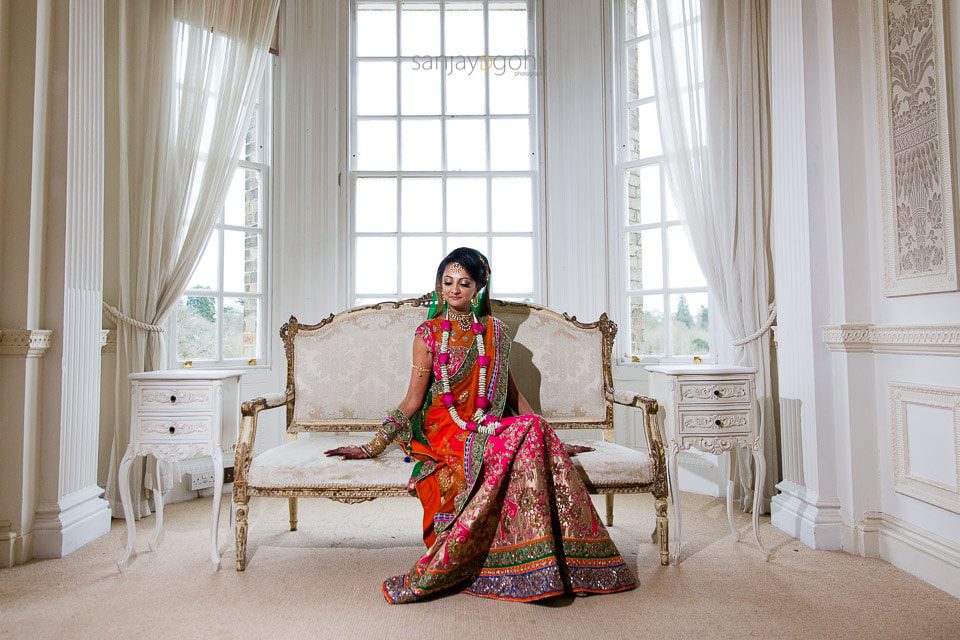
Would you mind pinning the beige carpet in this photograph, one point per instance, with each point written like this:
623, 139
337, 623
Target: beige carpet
324, 582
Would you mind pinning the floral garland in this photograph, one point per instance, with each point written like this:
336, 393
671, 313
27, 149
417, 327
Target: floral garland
480, 422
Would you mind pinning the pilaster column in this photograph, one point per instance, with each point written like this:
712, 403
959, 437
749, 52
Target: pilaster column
808, 506
70, 511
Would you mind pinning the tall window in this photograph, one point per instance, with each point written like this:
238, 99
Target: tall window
444, 149
660, 287
220, 317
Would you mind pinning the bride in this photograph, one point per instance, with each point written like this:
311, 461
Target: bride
505, 513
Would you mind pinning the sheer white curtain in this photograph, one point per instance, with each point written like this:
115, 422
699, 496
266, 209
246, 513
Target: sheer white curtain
188, 74
710, 65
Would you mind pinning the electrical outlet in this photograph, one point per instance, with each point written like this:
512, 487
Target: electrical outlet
200, 480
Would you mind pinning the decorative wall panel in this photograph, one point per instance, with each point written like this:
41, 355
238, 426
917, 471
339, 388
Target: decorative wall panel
919, 238
926, 443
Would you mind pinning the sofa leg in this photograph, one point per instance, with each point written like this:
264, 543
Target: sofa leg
663, 531
241, 530
609, 497
292, 504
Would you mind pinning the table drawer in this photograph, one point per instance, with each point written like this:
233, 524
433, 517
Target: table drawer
180, 429
181, 398
722, 391
716, 422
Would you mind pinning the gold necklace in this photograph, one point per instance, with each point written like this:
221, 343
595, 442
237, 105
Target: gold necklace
463, 319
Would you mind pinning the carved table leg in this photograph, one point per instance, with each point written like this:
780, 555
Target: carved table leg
675, 494
609, 498
732, 459
217, 456
760, 472
154, 542
125, 499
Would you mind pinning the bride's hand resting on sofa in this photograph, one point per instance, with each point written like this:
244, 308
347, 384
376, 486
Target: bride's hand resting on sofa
347, 453
574, 449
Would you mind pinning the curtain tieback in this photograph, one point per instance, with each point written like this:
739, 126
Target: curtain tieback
762, 330
119, 316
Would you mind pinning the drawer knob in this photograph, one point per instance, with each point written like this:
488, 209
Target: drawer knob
174, 429
716, 392
716, 422
173, 399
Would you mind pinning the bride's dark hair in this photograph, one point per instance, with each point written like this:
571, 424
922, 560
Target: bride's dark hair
478, 268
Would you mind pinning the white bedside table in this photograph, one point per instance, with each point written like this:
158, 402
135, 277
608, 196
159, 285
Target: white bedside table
712, 408
175, 415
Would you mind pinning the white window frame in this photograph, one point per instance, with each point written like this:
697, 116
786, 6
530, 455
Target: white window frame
535, 172
619, 229
267, 122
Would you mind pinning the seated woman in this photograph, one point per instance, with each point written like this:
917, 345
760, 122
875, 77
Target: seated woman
505, 512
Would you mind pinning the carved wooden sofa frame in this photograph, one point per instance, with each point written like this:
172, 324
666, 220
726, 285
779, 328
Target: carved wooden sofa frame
652, 480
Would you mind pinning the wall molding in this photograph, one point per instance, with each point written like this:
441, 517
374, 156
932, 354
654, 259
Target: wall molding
932, 558
28, 343
901, 394
907, 339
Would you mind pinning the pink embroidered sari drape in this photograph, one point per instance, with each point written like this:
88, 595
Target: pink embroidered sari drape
505, 516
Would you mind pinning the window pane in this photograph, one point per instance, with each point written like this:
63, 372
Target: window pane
241, 328
646, 259
639, 71
205, 273
509, 92
376, 266
242, 205
636, 18
253, 139
646, 325
376, 206
197, 328
479, 243
512, 204
376, 29
642, 187
643, 130
683, 265
419, 258
419, 88
420, 29
513, 258
510, 144
689, 324
466, 204
376, 88
463, 29
508, 28
466, 145
420, 145
465, 90
241, 261
377, 145
670, 209
421, 204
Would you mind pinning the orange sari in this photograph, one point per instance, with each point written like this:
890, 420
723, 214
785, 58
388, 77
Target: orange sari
506, 516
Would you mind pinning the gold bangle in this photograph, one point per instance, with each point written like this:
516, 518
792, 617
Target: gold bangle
420, 370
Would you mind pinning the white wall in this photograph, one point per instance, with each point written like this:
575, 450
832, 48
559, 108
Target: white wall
838, 490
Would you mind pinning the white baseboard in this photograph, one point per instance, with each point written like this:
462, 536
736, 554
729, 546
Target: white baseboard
76, 519
933, 559
815, 521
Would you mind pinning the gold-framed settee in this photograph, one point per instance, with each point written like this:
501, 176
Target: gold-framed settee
349, 370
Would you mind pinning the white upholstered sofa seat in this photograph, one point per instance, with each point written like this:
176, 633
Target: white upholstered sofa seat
301, 463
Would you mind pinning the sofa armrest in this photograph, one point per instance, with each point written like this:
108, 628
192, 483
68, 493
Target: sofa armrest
650, 411
249, 411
